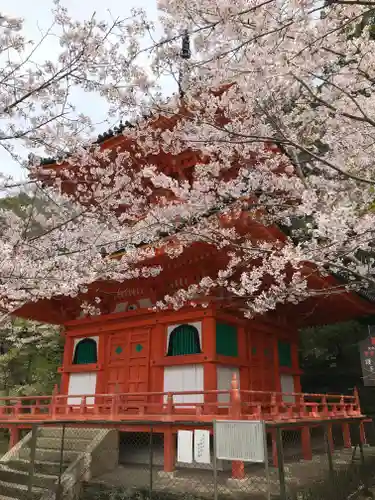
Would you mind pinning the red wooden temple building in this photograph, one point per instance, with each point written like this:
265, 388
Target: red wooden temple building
195, 364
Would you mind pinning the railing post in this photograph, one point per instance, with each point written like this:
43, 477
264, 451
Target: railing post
289, 412
17, 408
169, 406
357, 401
302, 406
235, 399
274, 407
343, 406
350, 409
114, 407
83, 405
258, 411
325, 406
314, 409
53, 403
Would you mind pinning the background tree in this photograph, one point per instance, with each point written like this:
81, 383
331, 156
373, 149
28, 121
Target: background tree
29, 353
330, 360
330, 357
30, 356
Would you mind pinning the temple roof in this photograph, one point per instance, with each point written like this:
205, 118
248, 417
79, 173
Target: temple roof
101, 138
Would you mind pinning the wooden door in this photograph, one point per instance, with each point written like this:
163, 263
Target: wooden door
128, 363
117, 355
138, 363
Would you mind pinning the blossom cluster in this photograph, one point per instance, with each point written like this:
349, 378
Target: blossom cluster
277, 111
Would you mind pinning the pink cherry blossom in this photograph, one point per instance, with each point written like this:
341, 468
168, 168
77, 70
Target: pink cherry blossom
278, 109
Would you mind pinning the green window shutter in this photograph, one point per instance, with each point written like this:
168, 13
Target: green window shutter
85, 352
184, 339
226, 340
285, 354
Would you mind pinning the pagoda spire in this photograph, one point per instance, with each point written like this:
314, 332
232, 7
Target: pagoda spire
184, 54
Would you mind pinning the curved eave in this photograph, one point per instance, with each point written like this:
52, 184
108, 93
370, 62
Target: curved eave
161, 123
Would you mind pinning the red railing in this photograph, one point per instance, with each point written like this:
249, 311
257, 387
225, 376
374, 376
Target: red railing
196, 405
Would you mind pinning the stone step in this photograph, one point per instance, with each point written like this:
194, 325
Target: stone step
52, 443
18, 477
2, 497
19, 491
48, 455
40, 467
70, 432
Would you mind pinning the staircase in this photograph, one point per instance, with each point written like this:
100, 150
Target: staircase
87, 452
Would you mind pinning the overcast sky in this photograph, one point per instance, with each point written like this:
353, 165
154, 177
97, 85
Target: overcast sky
37, 17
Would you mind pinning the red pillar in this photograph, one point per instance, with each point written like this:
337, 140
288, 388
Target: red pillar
157, 350
14, 436
346, 435
238, 470
102, 351
210, 384
169, 450
306, 443
67, 361
210, 368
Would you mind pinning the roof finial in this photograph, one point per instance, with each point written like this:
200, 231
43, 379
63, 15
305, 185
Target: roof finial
185, 49
184, 54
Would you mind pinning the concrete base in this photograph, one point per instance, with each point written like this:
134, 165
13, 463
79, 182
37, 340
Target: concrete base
238, 483
175, 476
257, 484
167, 475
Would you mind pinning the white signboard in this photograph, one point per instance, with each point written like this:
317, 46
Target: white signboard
185, 447
202, 446
243, 440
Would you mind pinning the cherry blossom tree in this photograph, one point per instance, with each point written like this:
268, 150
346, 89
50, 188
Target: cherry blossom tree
277, 103
30, 354
38, 114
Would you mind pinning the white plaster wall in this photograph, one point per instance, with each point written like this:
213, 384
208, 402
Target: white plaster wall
287, 385
184, 378
81, 384
224, 381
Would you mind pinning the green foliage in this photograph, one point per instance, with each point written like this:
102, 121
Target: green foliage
16, 203
335, 343
330, 359
366, 22
31, 356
